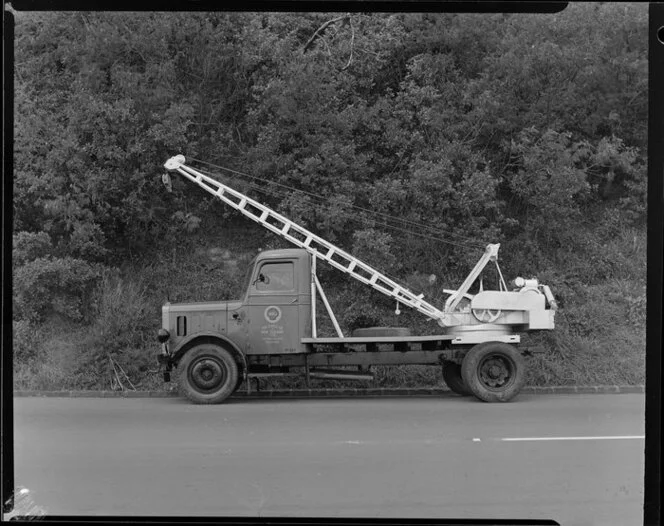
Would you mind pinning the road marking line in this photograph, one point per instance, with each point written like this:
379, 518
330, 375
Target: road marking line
476, 440
527, 439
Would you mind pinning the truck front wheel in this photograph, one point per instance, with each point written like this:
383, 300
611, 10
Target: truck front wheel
493, 371
207, 374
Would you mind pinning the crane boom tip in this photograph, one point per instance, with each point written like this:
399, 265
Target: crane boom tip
174, 162
492, 249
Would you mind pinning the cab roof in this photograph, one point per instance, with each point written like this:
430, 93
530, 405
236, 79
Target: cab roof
283, 253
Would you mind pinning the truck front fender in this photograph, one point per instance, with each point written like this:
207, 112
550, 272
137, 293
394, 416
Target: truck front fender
211, 337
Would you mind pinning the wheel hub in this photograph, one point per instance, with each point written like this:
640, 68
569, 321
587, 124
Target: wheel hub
495, 372
207, 374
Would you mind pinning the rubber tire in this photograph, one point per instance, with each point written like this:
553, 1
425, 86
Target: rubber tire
240, 379
453, 379
471, 371
227, 365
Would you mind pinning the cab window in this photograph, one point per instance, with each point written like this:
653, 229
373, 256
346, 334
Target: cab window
276, 276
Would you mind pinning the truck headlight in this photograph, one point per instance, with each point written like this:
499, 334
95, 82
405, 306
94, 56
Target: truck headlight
163, 335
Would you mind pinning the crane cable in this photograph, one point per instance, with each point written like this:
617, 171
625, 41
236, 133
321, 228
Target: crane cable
465, 239
462, 241
415, 290
276, 193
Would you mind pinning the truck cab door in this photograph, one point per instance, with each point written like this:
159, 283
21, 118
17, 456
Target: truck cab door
273, 308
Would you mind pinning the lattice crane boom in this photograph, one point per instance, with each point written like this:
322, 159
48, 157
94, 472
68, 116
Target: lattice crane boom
315, 245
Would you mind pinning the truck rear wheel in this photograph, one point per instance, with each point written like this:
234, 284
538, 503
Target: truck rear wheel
453, 379
207, 374
493, 371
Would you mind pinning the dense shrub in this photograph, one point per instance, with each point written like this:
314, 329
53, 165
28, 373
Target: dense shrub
28, 246
25, 341
49, 284
125, 322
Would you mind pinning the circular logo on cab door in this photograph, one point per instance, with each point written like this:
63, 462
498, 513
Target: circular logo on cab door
273, 314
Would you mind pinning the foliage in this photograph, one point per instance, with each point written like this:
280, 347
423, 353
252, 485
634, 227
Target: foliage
374, 247
375, 111
62, 285
44, 283
124, 328
548, 184
50, 361
96, 114
28, 246
25, 340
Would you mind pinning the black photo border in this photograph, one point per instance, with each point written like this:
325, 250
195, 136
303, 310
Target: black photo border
655, 245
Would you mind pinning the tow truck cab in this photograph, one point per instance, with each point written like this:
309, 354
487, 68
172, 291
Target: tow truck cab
272, 317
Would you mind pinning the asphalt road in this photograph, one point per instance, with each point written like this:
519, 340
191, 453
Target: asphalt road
577, 459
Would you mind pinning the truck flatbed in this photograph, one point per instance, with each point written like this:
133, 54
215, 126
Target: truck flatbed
452, 338
378, 339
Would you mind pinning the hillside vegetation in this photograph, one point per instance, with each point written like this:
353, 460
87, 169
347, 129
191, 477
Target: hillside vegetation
410, 140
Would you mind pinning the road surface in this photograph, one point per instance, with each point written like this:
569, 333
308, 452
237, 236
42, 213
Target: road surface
577, 459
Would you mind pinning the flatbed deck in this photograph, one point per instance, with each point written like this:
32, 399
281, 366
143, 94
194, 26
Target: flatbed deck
379, 339
462, 338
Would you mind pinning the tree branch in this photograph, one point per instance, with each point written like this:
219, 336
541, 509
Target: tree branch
352, 41
322, 28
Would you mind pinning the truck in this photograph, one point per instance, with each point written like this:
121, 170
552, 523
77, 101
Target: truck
214, 347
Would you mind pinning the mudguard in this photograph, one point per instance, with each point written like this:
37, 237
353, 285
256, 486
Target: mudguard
210, 336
